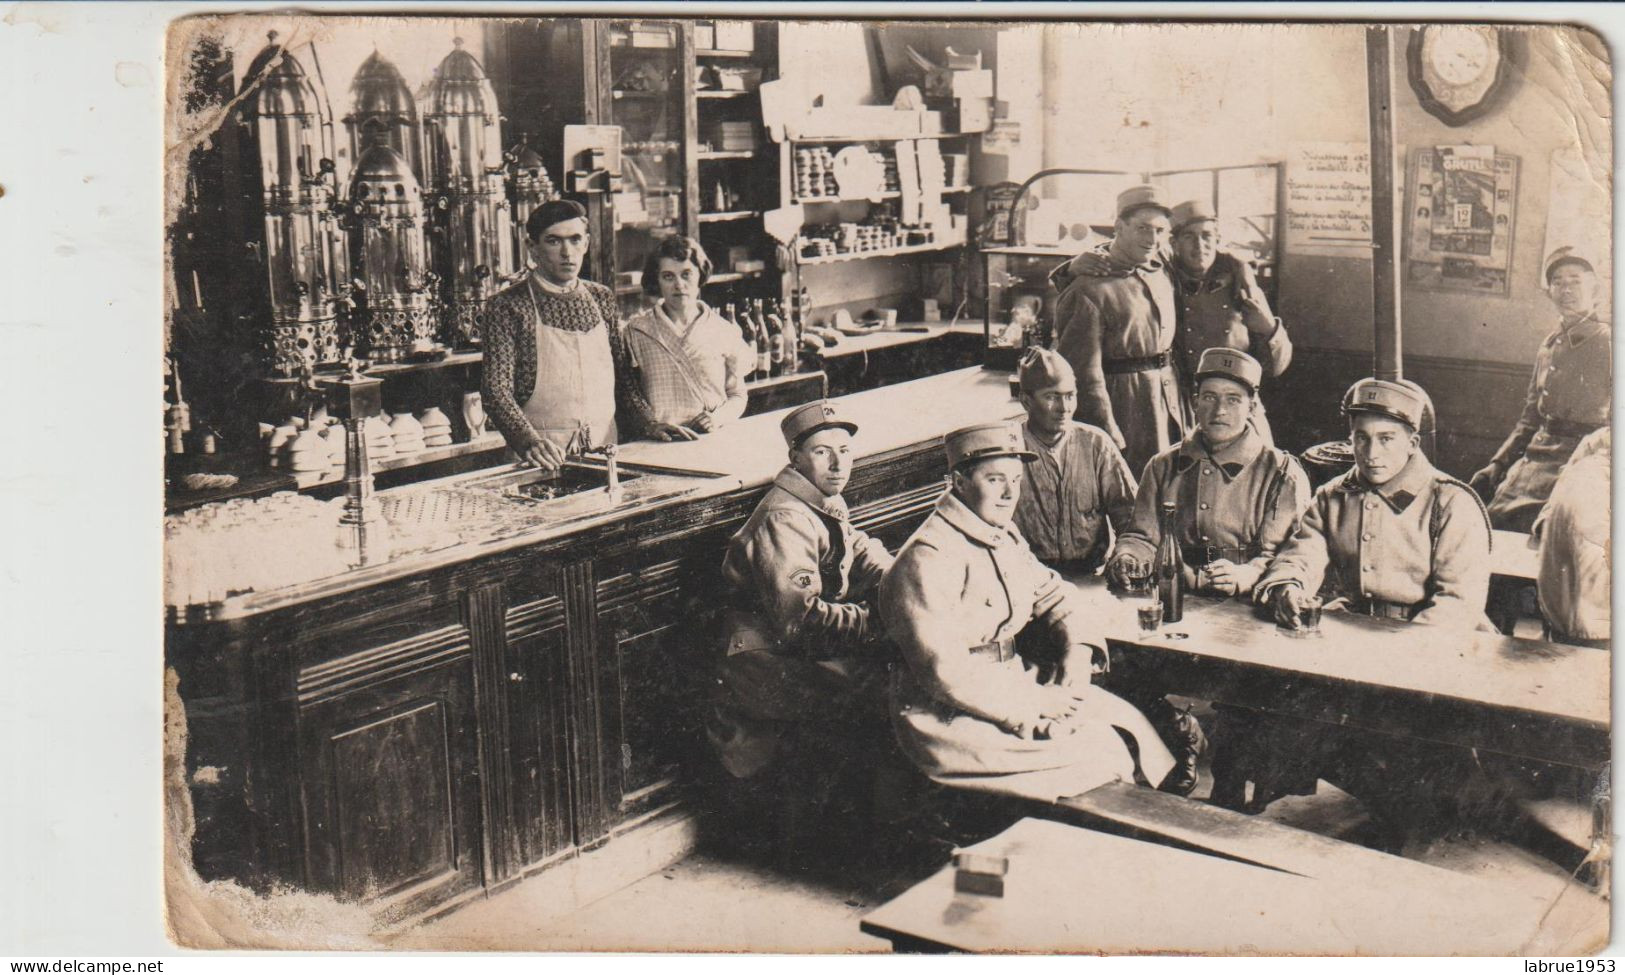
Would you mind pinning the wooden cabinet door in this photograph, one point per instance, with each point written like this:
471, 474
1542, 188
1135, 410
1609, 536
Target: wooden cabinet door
389, 758
653, 659
537, 672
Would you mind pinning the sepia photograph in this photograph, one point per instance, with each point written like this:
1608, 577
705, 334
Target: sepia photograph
678, 480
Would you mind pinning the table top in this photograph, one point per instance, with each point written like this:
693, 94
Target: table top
1556, 680
1075, 890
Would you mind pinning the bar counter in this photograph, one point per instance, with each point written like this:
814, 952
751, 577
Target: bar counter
524, 686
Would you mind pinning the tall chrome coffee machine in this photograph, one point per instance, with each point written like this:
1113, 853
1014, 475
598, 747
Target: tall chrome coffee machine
470, 229
529, 187
288, 129
385, 217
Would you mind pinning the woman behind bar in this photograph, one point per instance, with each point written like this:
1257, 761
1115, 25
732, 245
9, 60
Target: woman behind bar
690, 361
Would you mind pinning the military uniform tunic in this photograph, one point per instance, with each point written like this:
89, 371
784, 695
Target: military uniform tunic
1238, 503
1210, 317
1072, 492
1117, 332
801, 644
1569, 396
956, 598
1416, 548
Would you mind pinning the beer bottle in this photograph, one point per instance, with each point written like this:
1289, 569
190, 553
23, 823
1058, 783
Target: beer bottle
763, 343
789, 343
1170, 565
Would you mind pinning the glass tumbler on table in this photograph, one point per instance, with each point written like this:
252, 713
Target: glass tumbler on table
1140, 591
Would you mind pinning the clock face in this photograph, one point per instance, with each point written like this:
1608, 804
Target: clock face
1459, 65
1458, 55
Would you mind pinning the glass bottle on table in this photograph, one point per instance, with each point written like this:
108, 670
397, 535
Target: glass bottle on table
1170, 564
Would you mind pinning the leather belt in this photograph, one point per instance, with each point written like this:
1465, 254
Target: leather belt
1568, 428
1140, 363
1197, 556
1382, 609
1000, 650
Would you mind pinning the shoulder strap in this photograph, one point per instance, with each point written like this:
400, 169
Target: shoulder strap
1436, 519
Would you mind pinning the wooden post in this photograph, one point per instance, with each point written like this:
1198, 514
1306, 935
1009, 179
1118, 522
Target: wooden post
1385, 279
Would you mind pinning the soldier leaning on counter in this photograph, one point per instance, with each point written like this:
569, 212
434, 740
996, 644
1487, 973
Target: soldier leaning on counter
1570, 395
1237, 498
968, 710
1078, 484
804, 650
1395, 538
1220, 302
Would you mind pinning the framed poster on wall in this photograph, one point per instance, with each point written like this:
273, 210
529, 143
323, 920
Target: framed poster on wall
1461, 209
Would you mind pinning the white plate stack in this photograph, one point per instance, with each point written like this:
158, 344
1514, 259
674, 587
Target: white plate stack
436, 427
407, 433
380, 441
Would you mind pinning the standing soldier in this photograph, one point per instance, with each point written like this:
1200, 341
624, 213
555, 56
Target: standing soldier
1117, 329
1569, 396
1221, 304
968, 710
803, 646
1238, 498
1078, 484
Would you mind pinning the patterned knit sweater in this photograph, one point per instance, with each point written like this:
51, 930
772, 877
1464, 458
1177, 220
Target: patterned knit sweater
508, 325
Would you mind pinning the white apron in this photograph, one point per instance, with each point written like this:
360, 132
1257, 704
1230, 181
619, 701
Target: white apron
575, 383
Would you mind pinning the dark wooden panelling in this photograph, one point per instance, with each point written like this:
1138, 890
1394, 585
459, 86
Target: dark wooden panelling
538, 684
588, 788
391, 788
489, 640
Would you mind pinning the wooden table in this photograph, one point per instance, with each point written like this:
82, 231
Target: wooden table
1075, 890
1520, 697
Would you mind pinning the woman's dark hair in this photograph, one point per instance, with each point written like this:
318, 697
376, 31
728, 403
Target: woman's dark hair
550, 213
674, 248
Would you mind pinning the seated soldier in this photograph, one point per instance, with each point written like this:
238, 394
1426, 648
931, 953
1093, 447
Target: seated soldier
1395, 538
1079, 482
968, 711
1576, 578
1237, 498
803, 647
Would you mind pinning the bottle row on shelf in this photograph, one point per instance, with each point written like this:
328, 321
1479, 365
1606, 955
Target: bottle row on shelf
876, 234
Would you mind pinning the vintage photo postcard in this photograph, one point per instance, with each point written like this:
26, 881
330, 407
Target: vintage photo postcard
711, 482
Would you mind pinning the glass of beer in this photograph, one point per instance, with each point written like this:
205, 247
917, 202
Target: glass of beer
1308, 618
1140, 590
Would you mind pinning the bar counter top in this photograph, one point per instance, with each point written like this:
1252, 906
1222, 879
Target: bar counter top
228, 564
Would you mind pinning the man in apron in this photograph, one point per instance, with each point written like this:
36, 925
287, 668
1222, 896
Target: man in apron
556, 369
968, 710
1569, 396
1117, 331
804, 652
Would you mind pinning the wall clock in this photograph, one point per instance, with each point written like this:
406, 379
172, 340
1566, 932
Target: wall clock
1457, 70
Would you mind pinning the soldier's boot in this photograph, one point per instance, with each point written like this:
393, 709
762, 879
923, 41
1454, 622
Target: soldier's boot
1182, 733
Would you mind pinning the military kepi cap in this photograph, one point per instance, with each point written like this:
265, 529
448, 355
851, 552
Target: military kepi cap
1043, 369
803, 421
1562, 256
1144, 195
1192, 211
1230, 364
1393, 400
986, 440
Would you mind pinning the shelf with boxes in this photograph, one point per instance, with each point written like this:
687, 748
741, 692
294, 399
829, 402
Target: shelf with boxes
907, 184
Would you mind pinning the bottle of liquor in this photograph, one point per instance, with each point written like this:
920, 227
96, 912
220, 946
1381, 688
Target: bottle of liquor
764, 343
789, 342
1170, 565
773, 327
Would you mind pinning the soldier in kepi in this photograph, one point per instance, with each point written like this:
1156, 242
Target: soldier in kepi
1237, 498
1079, 490
1116, 328
1569, 397
1394, 538
968, 710
805, 653
1220, 302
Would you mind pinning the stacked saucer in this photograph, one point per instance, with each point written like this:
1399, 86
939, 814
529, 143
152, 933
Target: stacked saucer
436, 427
407, 433
380, 441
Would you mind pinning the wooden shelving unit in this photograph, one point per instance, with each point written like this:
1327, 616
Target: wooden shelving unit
729, 215
888, 252
704, 154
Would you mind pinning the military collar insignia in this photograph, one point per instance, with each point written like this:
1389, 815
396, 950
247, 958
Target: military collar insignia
792, 482
1399, 492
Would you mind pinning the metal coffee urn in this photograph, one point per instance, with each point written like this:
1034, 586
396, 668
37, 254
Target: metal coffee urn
382, 113
288, 129
529, 187
385, 217
470, 232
